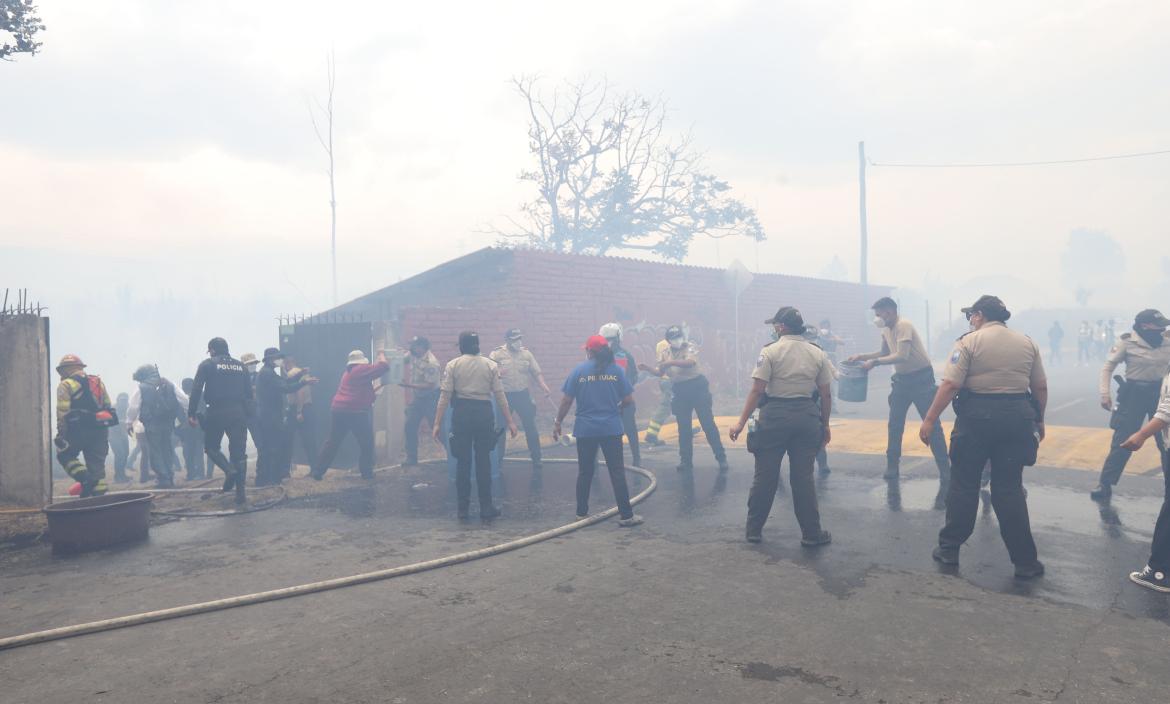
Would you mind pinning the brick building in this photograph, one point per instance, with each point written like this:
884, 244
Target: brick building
560, 299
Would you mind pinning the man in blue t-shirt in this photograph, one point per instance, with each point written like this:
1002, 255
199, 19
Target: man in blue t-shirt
600, 389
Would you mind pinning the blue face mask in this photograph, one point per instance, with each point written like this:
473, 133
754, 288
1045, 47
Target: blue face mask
775, 335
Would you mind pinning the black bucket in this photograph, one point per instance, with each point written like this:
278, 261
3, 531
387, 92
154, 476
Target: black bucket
99, 521
853, 383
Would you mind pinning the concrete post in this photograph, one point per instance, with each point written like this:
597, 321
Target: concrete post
25, 408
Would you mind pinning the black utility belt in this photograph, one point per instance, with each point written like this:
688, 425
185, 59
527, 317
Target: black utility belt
999, 397
914, 375
1144, 383
797, 399
472, 402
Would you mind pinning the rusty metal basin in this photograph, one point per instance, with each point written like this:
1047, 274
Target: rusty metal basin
99, 521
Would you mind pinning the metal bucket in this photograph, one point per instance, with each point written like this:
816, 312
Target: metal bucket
99, 521
853, 384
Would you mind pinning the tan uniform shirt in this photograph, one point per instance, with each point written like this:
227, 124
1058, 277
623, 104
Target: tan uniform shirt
1142, 362
424, 370
472, 377
516, 368
995, 360
902, 347
301, 397
677, 374
793, 367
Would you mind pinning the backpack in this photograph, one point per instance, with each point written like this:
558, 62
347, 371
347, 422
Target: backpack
160, 404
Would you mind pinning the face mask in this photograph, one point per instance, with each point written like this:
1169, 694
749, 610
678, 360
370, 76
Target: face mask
1153, 338
514, 346
775, 335
824, 331
878, 322
677, 344
614, 343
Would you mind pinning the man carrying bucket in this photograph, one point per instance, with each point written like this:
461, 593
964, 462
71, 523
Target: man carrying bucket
912, 383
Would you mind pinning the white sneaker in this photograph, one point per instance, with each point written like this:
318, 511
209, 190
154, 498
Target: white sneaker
634, 520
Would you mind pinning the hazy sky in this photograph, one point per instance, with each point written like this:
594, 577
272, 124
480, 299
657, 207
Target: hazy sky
164, 149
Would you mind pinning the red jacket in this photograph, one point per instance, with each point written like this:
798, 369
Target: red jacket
355, 393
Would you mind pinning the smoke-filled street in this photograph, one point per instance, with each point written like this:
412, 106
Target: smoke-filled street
680, 609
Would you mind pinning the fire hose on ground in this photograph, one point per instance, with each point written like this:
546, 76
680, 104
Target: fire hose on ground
324, 585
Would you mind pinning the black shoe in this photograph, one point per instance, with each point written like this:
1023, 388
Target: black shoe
892, 474
723, 466
940, 500
1103, 492
685, 467
753, 536
490, 513
1151, 579
1031, 571
947, 556
822, 538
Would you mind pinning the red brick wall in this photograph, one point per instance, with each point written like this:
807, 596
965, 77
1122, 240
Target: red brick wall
558, 300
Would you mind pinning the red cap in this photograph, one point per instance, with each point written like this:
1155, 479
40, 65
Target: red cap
596, 342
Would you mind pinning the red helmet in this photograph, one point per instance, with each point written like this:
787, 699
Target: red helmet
70, 360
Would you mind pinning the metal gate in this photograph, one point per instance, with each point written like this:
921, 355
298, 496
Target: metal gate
322, 343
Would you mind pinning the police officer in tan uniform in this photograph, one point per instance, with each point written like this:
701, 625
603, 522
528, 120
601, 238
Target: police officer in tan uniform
678, 361
469, 383
423, 383
996, 378
911, 384
1145, 352
518, 367
791, 387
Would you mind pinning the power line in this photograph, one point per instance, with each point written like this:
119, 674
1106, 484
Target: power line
1021, 163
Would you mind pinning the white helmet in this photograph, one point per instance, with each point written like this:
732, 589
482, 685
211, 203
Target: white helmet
611, 331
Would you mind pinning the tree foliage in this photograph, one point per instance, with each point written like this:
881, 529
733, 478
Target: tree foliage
19, 25
609, 177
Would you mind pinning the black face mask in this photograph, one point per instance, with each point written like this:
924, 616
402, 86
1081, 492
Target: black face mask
1153, 338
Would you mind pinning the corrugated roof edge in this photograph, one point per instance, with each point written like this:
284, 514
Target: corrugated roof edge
533, 252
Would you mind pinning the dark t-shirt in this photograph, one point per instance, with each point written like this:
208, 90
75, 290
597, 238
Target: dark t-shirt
599, 395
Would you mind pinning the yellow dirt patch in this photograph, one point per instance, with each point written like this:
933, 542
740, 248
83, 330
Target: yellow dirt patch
1065, 446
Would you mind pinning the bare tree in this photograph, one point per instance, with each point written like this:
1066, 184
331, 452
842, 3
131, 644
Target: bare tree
608, 177
19, 21
326, 141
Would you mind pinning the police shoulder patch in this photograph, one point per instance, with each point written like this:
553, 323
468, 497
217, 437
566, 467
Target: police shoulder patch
955, 356
760, 359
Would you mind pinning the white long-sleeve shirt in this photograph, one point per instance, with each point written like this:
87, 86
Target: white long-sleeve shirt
136, 403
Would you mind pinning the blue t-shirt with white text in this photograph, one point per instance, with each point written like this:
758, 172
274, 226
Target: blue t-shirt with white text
599, 395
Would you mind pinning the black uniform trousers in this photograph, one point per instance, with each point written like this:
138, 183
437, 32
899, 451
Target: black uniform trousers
790, 427
422, 407
342, 423
1160, 548
273, 442
630, 428
1136, 402
693, 396
999, 428
611, 449
232, 421
192, 441
473, 434
520, 402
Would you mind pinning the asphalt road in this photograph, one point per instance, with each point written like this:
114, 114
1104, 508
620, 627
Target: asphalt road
677, 610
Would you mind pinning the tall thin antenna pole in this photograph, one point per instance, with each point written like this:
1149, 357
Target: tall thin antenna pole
864, 232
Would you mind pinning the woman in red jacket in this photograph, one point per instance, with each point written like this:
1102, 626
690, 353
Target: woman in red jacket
351, 413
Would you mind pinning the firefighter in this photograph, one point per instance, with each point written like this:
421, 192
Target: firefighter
84, 416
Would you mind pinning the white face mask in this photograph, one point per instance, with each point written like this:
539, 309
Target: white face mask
678, 344
824, 331
514, 346
878, 322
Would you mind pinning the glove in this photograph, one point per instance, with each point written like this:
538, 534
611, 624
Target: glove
59, 443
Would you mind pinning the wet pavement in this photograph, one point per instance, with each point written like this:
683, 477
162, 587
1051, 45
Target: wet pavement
679, 609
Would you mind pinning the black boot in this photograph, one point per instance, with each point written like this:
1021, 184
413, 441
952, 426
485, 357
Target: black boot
240, 475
